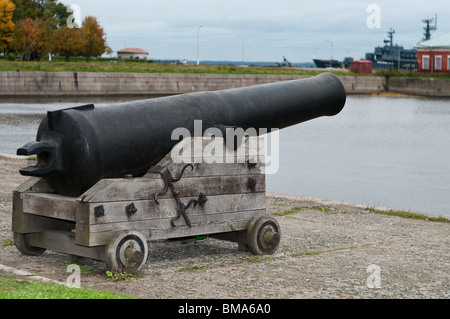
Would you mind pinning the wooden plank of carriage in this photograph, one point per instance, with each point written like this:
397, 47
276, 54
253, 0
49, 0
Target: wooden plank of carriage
155, 229
143, 188
220, 213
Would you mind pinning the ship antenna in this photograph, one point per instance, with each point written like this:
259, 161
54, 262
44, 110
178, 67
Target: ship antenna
428, 28
391, 37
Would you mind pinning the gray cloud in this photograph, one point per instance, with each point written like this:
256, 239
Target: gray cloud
270, 29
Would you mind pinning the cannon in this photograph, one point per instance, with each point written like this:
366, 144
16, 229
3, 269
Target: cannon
103, 185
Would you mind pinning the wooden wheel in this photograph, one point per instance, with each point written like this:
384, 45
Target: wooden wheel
263, 235
22, 243
127, 251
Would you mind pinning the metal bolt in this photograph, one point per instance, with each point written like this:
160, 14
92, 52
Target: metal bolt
130, 209
251, 184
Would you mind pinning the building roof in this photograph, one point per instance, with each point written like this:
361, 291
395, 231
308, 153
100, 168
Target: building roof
361, 61
440, 42
132, 50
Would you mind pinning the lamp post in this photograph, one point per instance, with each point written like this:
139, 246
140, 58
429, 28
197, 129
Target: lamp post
331, 53
243, 47
198, 44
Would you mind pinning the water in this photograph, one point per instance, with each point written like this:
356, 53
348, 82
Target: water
379, 151
19, 121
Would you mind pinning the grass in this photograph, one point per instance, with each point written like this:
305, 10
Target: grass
17, 288
190, 268
410, 74
113, 65
257, 258
406, 214
114, 275
146, 67
319, 252
391, 212
7, 242
289, 212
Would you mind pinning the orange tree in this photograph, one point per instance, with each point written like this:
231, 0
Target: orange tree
68, 41
6, 24
94, 38
41, 29
31, 39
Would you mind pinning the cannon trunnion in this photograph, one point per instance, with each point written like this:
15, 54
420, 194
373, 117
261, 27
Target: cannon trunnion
107, 180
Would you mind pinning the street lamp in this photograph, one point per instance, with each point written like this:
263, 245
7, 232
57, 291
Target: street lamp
331, 53
198, 44
243, 47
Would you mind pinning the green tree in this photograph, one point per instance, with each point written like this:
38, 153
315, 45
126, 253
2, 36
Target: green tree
6, 23
25, 9
94, 38
56, 13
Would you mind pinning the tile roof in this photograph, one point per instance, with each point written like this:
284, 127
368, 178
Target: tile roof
133, 50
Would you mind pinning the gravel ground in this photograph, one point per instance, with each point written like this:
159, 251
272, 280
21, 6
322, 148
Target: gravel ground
328, 250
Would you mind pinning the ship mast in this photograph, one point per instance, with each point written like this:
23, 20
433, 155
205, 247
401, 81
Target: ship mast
391, 37
428, 27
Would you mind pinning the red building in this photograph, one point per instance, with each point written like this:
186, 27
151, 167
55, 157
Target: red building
361, 66
434, 55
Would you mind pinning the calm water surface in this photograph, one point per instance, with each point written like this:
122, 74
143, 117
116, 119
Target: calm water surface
379, 151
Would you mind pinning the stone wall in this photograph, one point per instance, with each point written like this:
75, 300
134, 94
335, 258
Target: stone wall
436, 87
28, 84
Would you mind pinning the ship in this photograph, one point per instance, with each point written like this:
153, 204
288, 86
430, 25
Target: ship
392, 56
327, 63
320, 63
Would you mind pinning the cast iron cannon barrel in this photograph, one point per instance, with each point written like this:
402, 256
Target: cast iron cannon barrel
77, 147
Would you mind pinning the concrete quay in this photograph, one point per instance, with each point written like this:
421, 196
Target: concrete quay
29, 84
52, 84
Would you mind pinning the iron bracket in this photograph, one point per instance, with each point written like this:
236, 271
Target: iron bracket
169, 181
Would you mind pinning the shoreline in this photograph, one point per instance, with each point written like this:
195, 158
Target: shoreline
377, 209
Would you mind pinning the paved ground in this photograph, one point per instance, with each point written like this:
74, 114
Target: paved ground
328, 250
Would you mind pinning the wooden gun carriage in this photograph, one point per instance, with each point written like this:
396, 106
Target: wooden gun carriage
114, 219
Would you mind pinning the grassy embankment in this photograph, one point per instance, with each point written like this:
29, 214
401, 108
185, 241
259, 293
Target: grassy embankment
113, 65
146, 67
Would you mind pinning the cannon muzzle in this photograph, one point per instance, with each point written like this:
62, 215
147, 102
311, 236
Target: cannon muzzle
77, 147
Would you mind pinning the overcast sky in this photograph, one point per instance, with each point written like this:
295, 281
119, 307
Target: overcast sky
262, 30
